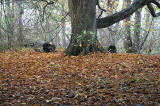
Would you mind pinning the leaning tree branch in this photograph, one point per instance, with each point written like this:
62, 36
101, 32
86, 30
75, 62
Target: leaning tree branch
156, 3
110, 20
151, 9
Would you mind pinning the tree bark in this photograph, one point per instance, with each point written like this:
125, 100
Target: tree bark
20, 36
83, 23
64, 42
8, 23
136, 37
110, 4
127, 33
0, 20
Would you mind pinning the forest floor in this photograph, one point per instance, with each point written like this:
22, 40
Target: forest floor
33, 78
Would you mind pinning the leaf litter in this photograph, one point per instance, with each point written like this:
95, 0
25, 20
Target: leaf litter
33, 78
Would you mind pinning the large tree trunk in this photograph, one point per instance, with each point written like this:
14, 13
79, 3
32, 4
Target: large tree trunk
83, 21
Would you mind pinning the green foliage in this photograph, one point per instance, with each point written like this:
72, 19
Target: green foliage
106, 90
53, 65
139, 9
138, 24
85, 33
155, 51
136, 78
106, 47
104, 82
91, 91
3, 48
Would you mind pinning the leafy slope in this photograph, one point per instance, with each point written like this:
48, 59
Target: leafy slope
29, 78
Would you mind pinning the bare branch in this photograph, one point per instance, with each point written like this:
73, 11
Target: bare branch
156, 3
102, 10
150, 7
110, 20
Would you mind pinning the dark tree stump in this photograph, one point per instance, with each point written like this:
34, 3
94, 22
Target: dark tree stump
112, 49
48, 47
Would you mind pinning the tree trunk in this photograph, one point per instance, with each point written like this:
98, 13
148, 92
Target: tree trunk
8, 23
83, 21
1, 20
136, 37
110, 4
64, 42
147, 32
127, 36
20, 36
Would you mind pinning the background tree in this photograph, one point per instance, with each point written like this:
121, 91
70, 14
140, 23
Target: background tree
1, 19
19, 23
127, 34
137, 30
